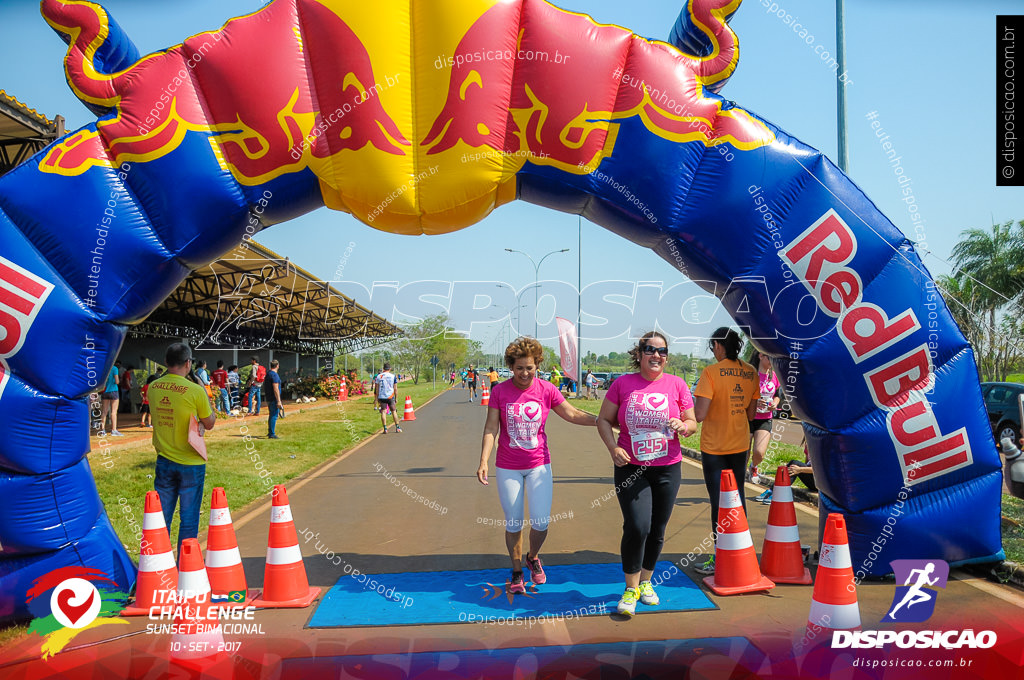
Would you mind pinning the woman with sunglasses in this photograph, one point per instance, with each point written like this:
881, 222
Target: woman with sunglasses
725, 401
649, 408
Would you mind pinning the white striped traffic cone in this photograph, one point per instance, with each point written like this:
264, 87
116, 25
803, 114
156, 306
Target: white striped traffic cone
736, 569
197, 632
782, 560
485, 397
834, 600
409, 414
223, 561
284, 578
158, 577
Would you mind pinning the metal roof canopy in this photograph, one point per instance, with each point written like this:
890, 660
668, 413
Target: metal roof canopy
254, 299
23, 132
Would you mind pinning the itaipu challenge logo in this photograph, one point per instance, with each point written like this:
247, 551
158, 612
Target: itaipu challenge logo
67, 601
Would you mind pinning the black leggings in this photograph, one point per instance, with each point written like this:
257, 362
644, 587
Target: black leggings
713, 466
646, 497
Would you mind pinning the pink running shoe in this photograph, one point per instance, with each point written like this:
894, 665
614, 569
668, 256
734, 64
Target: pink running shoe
536, 569
516, 585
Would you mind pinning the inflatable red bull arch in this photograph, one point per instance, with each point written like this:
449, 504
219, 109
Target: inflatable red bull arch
422, 122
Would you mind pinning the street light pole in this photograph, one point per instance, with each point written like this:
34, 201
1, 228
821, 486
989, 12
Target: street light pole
536, 279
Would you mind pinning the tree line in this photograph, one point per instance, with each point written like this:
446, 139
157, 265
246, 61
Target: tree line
986, 296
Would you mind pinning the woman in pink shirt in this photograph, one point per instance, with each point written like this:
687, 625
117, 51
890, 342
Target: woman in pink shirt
516, 416
761, 425
650, 408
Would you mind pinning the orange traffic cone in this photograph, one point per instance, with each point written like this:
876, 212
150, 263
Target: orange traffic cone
782, 560
834, 600
223, 561
158, 577
485, 397
284, 578
197, 631
409, 413
736, 569
343, 391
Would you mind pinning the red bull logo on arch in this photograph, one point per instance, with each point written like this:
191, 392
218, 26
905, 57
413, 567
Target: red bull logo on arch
22, 295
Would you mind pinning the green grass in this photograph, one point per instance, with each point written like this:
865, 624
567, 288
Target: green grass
1013, 528
307, 439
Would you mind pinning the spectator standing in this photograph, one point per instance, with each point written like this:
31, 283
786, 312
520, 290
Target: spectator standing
147, 418
125, 385
220, 379
591, 382
180, 470
273, 388
256, 377
493, 377
234, 382
110, 398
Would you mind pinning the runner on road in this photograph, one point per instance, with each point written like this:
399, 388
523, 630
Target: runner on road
471, 377
516, 416
387, 390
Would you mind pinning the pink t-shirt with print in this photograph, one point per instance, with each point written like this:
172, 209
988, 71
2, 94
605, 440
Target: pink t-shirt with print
522, 443
769, 386
644, 411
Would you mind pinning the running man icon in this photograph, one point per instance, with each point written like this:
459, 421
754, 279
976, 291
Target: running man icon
919, 577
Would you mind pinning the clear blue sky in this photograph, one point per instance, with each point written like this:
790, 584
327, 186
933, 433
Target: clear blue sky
934, 98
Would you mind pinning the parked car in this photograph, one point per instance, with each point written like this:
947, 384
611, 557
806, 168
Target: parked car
612, 377
504, 373
602, 380
1001, 402
544, 375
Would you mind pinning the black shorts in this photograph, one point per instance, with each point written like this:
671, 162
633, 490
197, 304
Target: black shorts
144, 408
389, 402
764, 424
111, 396
471, 383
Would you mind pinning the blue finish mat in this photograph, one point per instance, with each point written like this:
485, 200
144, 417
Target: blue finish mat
571, 591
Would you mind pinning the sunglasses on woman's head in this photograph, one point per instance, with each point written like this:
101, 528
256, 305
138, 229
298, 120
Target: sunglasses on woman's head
663, 351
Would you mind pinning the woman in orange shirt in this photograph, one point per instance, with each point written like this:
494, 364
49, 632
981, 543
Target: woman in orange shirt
725, 401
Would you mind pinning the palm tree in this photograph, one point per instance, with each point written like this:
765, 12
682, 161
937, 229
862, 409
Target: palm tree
990, 271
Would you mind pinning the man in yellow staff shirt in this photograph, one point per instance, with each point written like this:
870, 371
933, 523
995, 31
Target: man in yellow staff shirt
180, 470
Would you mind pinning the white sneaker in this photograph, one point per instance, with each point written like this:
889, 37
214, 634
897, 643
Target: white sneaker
115, 433
627, 605
647, 594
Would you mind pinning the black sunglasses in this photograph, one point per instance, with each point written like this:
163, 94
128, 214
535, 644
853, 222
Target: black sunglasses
647, 349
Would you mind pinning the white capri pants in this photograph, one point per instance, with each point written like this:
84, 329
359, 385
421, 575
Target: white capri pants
513, 485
